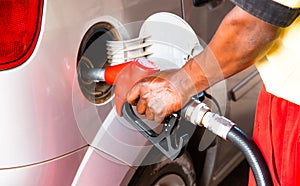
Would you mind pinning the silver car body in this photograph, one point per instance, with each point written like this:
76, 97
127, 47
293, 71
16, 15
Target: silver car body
40, 137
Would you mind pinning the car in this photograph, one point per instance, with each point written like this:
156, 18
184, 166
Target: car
57, 128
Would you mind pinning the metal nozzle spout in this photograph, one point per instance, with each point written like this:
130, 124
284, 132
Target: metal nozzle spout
94, 74
107, 74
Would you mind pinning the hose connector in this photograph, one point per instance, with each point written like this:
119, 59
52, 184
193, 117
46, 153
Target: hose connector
195, 112
217, 124
198, 113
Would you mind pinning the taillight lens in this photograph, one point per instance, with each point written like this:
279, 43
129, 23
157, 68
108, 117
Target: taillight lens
20, 22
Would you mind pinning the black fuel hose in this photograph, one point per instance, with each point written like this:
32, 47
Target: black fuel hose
198, 113
253, 155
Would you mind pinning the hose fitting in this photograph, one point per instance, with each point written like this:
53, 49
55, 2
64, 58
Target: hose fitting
199, 113
217, 124
195, 112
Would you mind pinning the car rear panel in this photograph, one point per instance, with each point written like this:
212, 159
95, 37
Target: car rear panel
38, 126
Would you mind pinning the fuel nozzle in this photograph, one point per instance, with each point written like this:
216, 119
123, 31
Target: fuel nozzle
107, 74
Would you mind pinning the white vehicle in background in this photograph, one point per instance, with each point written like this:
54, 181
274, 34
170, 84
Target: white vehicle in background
58, 129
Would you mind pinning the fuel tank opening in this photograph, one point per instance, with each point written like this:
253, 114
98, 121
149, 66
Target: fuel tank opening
93, 54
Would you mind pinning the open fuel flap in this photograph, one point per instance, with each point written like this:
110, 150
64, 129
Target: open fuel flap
163, 38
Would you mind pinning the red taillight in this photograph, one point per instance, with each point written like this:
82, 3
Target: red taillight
20, 22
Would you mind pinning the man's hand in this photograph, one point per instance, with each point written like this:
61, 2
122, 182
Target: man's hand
240, 40
161, 94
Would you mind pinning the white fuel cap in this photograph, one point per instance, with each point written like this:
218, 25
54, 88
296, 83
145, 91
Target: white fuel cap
173, 40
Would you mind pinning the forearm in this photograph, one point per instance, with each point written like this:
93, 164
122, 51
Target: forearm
240, 40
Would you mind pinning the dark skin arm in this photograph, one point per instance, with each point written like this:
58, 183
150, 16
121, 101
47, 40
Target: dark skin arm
240, 40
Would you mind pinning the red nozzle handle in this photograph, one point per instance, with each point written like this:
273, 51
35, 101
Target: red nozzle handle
112, 72
138, 69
